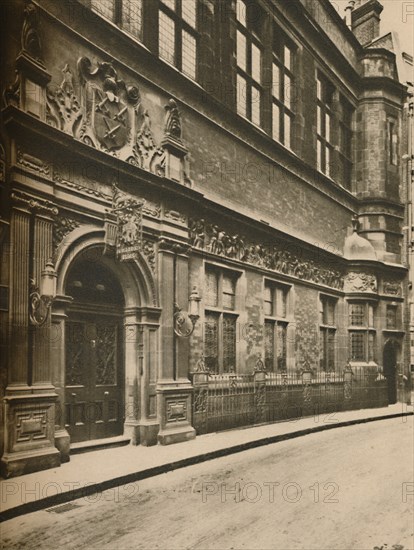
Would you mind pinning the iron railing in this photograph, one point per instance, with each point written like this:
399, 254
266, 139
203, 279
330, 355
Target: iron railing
225, 401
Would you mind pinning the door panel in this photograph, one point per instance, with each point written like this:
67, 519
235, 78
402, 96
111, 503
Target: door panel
94, 377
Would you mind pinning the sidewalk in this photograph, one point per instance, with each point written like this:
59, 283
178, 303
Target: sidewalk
97, 471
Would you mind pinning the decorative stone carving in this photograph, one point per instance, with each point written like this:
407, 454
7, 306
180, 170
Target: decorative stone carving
33, 163
78, 187
128, 211
110, 107
2, 164
360, 282
175, 216
62, 227
174, 247
213, 239
392, 287
63, 109
30, 39
172, 121
152, 209
148, 249
147, 154
36, 204
11, 94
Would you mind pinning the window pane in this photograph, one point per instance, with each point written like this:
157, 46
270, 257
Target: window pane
229, 291
319, 88
370, 316
241, 95
276, 122
281, 346
255, 105
211, 342
287, 130
391, 317
132, 16
357, 314
256, 63
330, 344
280, 302
288, 58
319, 120
166, 38
189, 49
241, 50
276, 81
211, 289
322, 358
189, 12
357, 346
328, 127
330, 312
288, 92
241, 12
327, 161
268, 301
104, 7
269, 345
169, 3
319, 155
371, 346
229, 343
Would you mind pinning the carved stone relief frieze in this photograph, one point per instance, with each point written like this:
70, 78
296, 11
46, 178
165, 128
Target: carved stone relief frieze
214, 239
360, 282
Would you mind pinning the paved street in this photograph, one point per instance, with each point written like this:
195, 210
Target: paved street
348, 488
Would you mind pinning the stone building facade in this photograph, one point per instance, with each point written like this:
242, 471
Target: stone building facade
237, 161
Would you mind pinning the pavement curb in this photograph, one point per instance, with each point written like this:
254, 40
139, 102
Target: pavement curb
82, 492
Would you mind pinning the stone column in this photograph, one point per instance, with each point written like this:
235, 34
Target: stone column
57, 359
174, 390
29, 415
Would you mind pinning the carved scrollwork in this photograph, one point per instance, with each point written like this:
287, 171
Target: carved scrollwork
33, 163
392, 287
36, 204
62, 227
63, 109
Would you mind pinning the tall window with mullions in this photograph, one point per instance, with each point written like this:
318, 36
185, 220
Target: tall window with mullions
283, 88
178, 34
249, 53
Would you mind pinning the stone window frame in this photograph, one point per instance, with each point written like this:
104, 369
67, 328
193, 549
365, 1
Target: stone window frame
222, 313
277, 321
366, 328
327, 329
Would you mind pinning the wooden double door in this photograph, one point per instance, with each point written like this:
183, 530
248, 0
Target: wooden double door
94, 376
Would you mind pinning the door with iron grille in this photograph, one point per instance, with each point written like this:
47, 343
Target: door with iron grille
93, 396
94, 373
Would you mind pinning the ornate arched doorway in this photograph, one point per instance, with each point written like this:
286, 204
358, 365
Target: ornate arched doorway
94, 352
390, 360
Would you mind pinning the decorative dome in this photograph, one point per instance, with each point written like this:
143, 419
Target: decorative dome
358, 248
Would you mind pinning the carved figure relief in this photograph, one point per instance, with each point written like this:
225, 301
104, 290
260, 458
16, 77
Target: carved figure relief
62, 227
360, 282
213, 239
